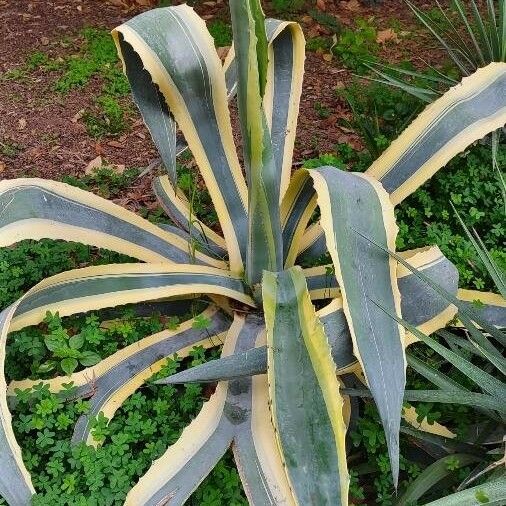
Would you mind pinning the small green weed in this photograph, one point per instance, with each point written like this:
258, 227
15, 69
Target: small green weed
36, 60
318, 44
322, 110
16, 74
354, 46
97, 57
104, 181
109, 121
221, 32
29, 262
287, 6
327, 20
9, 148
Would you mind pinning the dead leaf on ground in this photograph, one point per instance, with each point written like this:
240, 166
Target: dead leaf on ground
387, 35
116, 144
351, 5
118, 168
2, 166
77, 116
321, 5
93, 165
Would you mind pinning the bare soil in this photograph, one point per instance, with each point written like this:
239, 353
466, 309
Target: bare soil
38, 126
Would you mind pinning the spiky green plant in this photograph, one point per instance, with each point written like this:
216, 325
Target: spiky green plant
477, 352
472, 38
287, 428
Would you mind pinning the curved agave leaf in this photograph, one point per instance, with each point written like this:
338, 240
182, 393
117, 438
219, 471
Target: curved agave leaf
152, 106
15, 481
350, 203
98, 287
304, 393
109, 383
282, 95
237, 414
195, 93
92, 288
150, 348
489, 306
37, 209
112, 381
464, 114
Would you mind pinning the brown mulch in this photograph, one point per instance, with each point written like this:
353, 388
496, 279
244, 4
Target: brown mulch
41, 124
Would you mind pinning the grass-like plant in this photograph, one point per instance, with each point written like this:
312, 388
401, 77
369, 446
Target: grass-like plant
287, 428
472, 38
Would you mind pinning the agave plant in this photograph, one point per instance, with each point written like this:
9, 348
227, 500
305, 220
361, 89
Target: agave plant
287, 427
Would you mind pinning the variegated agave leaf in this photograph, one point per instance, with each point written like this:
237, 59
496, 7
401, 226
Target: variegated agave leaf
178, 81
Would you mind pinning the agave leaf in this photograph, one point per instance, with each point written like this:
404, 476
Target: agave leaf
306, 395
239, 365
283, 91
236, 414
152, 106
256, 453
433, 474
444, 444
36, 209
114, 285
492, 493
348, 201
264, 246
114, 379
15, 481
461, 116
196, 95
